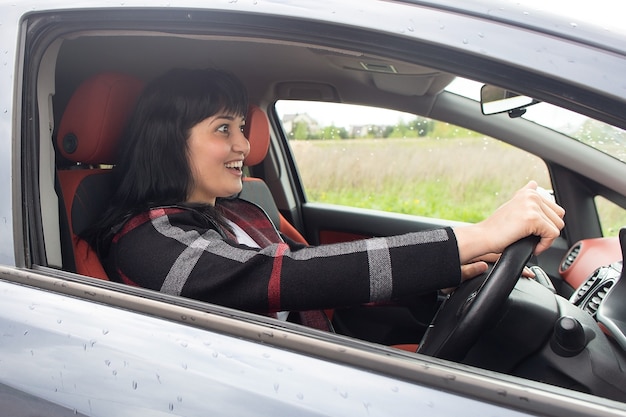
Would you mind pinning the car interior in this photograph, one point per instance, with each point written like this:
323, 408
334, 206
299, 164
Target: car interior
88, 81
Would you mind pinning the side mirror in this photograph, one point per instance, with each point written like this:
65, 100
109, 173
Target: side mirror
494, 100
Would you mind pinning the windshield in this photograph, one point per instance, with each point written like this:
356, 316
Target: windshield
601, 136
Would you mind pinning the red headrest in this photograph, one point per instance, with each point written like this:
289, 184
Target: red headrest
95, 117
257, 130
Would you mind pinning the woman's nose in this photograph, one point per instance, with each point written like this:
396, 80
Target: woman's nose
241, 144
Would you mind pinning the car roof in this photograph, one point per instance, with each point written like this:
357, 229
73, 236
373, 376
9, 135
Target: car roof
597, 23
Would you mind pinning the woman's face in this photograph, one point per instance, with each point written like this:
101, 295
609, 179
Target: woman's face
217, 148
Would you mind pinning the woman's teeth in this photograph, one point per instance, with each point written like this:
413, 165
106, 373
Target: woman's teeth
234, 165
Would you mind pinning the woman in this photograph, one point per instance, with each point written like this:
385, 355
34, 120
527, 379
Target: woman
174, 226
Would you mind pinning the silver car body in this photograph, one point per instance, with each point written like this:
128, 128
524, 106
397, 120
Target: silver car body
69, 346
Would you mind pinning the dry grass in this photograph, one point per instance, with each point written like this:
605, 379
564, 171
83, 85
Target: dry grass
449, 178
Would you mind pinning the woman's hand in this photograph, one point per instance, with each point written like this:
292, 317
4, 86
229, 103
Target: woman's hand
479, 266
527, 213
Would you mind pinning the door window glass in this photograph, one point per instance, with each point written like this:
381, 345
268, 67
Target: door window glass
386, 160
612, 217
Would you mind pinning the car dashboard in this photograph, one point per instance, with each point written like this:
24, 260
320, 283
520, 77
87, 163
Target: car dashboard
600, 292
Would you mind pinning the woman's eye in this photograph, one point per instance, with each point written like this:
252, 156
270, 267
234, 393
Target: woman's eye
223, 129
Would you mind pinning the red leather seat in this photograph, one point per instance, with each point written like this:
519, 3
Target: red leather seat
88, 135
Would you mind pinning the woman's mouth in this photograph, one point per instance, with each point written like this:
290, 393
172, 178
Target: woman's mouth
234, 165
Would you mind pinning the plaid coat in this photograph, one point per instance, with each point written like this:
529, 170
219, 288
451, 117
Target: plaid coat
181, 251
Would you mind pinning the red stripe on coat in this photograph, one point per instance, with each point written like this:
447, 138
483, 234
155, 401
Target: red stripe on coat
142, 218
273, 288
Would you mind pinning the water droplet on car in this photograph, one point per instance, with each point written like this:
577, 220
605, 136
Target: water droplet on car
134, 384
573, 25
171, 407
300, 396
276, 386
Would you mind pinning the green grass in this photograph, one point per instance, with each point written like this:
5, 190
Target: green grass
455, 179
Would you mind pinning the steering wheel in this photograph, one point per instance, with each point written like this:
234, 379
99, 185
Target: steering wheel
465, 314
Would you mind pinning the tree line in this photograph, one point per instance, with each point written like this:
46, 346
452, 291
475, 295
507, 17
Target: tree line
417, 128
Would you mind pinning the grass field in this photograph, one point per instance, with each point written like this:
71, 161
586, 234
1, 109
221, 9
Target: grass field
455, 179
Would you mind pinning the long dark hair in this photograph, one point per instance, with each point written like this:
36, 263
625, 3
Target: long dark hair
152, 167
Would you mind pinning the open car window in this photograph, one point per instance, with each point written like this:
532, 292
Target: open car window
392, 161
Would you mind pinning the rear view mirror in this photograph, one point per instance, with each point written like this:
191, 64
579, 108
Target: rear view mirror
494, 100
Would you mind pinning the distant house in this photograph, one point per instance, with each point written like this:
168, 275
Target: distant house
290, 120
370, 130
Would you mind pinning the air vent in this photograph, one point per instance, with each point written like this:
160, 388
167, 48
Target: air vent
595, 299
582, 291
570, 257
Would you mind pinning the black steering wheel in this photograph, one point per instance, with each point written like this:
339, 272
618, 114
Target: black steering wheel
465, 314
